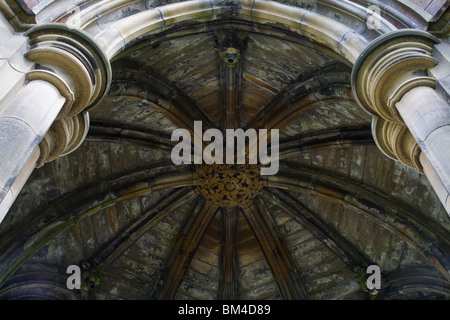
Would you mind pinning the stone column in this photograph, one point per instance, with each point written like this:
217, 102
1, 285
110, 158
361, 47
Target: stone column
411, 121
47, 117
428, 118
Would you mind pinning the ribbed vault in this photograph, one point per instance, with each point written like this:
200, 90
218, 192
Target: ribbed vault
336, 206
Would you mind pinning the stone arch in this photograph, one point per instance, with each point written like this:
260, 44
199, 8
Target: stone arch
118, 34
343, 39
118, 25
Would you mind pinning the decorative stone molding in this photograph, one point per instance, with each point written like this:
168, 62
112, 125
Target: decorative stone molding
228, 185
391, 66
386, 70
63, 137
397, 142
322, 30
71, 61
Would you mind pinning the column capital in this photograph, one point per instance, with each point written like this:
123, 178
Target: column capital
386, 70
389, 67
71, 55
76, 65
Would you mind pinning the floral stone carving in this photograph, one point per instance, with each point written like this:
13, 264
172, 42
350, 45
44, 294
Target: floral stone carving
229, 185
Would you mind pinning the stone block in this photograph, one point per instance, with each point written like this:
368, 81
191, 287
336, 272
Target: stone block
111, 41
423, 111
436, 148
37, 105
441, 52
9, 44
232, 9
7, 200
324, 30
271, 12
140, 24
436, 182
351, 46
200, 10
17, 143
11, 81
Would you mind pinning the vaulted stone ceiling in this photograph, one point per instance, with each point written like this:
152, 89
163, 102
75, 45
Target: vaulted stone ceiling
118, 203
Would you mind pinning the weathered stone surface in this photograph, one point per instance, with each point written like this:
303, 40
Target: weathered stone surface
15, 132
336, 205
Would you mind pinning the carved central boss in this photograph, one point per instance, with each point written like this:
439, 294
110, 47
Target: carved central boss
229, 185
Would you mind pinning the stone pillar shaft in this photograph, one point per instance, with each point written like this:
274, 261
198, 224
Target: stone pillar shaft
23, 124
427, 116
18, 184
